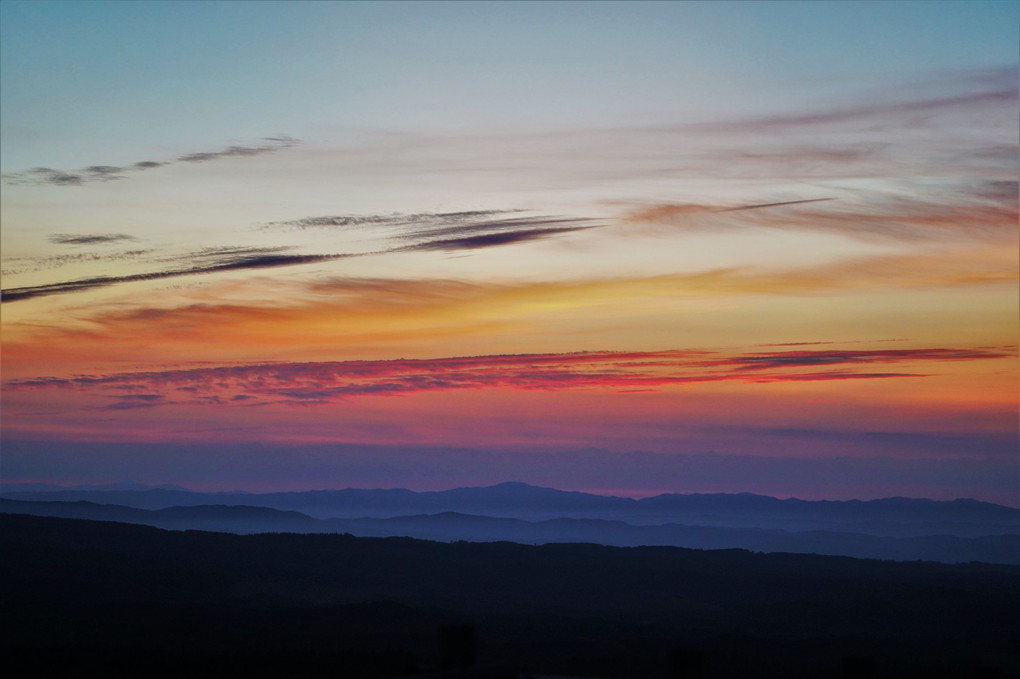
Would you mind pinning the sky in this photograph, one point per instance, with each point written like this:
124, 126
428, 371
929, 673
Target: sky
628, 248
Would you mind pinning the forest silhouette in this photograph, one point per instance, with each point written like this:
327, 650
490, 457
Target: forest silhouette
125, 598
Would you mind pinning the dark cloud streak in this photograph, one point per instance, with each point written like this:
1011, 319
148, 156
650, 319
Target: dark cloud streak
767, 205
416, 220
489, 240
275, 144
231, 262
789, 359
493, 233
43, 176
89, 239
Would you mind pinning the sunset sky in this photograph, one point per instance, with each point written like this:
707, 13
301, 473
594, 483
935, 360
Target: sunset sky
625, 248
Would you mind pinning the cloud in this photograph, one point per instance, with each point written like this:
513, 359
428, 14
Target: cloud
488, 240
89, 239
469, 227
780, 204
215, 260
313, 383
985, 212
47, 175
998, 90
670, 211
43, 176
132, 401
477, 235
341, 221
272, 144
20, 265
466, 230
1006, 191
436, 223
103, 172
790, 359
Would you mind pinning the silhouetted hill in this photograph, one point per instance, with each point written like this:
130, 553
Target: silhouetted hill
95, 594
450, 526
893, 517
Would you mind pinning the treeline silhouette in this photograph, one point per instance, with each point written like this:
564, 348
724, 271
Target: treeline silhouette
129, 599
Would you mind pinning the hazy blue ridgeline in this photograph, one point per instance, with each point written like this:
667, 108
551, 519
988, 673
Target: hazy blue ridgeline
895, 529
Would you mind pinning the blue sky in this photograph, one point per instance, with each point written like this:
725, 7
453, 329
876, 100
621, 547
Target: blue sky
125, 76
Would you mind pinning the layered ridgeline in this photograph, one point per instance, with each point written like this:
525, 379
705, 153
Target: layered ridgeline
895, 528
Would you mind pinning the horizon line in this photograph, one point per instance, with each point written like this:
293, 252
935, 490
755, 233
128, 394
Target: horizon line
625, 494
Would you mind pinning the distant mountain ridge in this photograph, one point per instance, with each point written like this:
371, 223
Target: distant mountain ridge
454, 526
889, 517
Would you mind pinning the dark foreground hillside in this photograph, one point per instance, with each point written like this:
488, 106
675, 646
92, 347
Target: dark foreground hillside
134, 600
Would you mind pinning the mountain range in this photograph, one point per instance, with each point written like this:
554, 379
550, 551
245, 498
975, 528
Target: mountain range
901, 529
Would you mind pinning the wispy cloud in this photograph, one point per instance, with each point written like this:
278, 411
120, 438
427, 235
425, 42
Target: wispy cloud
999, 86
414, 233
326, 382
670, 212
20, 265
89, 239
497, 238
212, 260
271, 144
780, 204
791, 359
466, 230
44, 175
47, 176
132, 401
988, 212
417, 220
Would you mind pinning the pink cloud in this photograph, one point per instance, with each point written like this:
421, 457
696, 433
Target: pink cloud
325, 382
